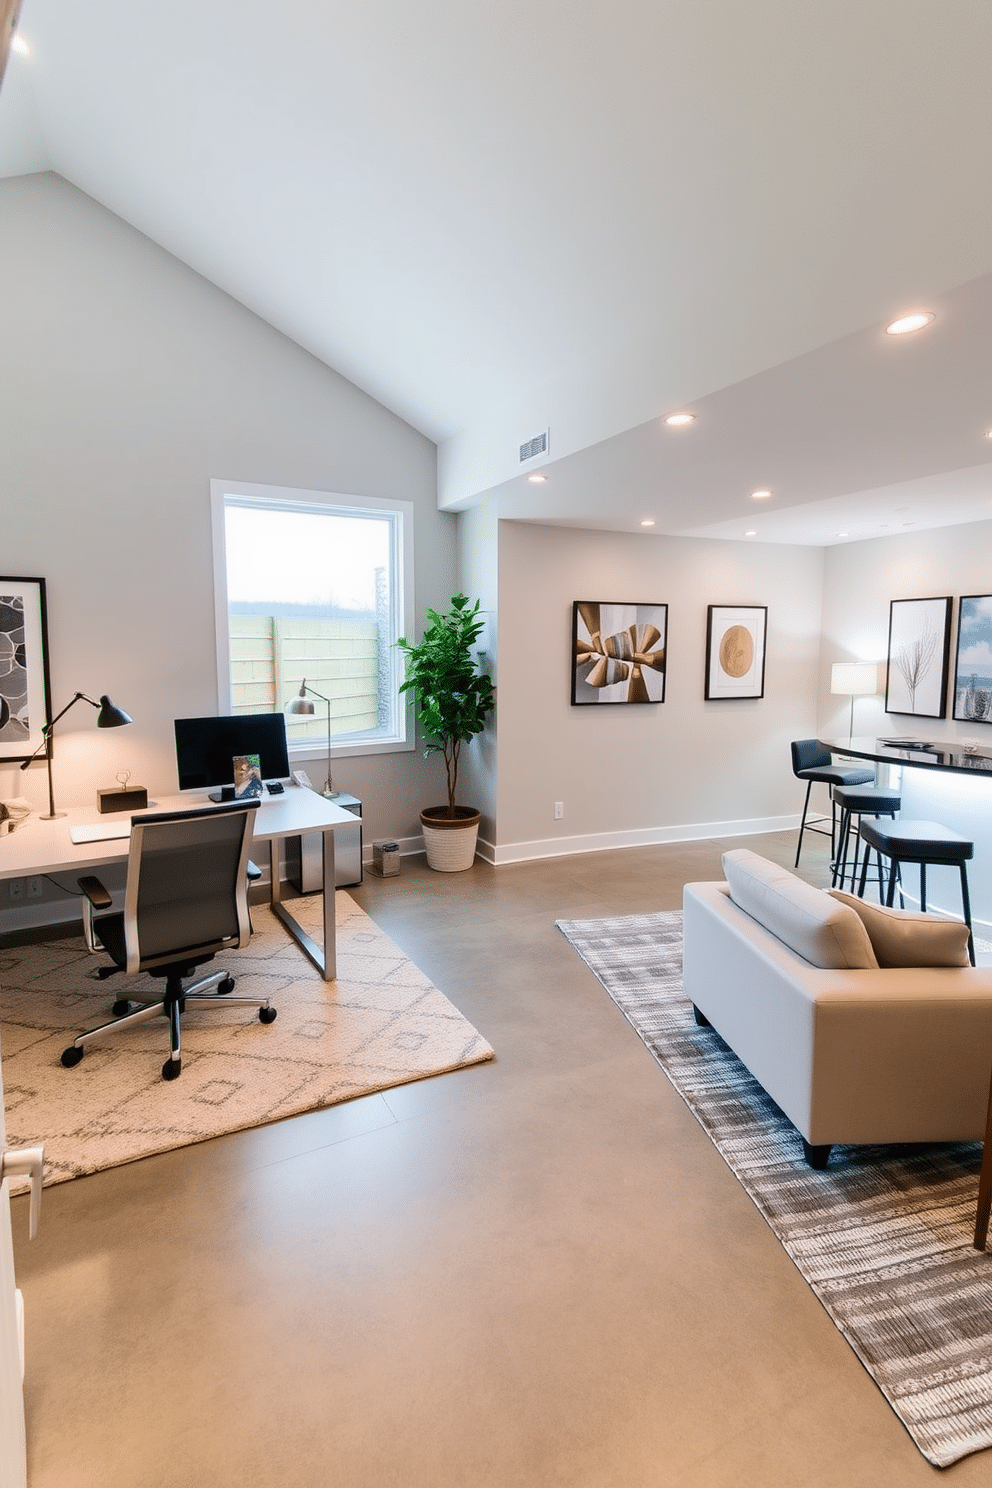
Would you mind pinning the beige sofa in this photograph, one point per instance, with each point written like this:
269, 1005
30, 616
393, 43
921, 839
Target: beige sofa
853, 1051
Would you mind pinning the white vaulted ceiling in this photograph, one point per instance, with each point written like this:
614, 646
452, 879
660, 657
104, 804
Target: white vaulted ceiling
506, 218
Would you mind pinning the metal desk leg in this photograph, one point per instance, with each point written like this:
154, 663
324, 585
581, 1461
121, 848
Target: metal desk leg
325, 959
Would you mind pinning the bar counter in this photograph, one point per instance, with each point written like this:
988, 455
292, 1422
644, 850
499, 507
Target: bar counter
939, 781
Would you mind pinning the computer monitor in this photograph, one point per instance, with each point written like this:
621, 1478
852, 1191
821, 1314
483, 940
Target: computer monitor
205, 748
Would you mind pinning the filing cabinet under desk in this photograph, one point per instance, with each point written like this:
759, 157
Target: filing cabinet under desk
304, 860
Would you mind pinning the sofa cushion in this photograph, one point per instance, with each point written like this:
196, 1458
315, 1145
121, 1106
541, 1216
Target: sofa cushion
821, 930
905, 937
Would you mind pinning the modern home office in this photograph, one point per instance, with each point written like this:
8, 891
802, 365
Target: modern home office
395, 1175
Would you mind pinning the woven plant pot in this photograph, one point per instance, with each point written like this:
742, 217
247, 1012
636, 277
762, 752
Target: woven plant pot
450, 841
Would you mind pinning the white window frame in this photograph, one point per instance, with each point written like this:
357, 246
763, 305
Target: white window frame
292, 499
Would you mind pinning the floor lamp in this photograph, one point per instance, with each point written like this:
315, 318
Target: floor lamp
109, 717
854, 679
301, 704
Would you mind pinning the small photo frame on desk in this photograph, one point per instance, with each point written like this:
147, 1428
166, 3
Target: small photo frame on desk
247, 777
25, 698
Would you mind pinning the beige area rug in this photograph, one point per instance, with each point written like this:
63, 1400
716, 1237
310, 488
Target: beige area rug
381, 1023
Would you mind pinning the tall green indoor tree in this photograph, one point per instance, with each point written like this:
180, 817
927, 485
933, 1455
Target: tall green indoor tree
453, 694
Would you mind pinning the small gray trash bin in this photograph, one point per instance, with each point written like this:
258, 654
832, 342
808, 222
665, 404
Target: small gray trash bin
386, 859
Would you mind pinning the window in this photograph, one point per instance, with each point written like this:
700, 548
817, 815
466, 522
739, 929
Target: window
312, 586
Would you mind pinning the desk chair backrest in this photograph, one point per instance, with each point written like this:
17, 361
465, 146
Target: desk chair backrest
187, 885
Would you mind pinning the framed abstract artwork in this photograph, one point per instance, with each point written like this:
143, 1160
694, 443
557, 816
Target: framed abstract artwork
919, 647
735, 651
618, 652
973, 664
25, 700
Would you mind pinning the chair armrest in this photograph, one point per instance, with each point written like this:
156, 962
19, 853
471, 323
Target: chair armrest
95, 896
95, 893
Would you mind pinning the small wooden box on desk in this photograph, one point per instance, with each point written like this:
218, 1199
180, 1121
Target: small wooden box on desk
304, 868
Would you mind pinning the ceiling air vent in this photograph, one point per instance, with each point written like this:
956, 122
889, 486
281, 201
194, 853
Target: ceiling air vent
534, 447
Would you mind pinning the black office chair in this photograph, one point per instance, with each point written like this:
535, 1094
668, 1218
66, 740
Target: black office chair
186, 898
811, 761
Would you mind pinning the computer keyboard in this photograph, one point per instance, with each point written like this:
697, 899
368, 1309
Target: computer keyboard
100, 831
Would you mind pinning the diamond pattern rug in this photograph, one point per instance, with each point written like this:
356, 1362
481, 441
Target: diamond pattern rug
883, 1235
381, 1023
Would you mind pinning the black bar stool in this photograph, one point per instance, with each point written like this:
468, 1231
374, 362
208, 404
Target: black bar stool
920, 842
857, 801
811, 762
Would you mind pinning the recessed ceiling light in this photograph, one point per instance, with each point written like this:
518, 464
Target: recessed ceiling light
905, 323
750, 532
760, 495
537, 480
679, 420
647, 522
843, 534
20, 46
988, 433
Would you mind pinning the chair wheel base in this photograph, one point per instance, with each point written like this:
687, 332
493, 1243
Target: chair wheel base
171, 1068
267, 1015
226, 986
71, 1056
121, 1008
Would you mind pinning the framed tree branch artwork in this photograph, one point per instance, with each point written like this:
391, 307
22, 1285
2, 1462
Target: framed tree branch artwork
973, 669
735, 651
618, 652
919, 648
25, 700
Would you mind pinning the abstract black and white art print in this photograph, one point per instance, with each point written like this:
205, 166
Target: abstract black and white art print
618, 652
919, 643
25, 702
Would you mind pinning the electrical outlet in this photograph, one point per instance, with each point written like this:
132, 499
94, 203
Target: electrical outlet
15, 890
36, 887
559, 811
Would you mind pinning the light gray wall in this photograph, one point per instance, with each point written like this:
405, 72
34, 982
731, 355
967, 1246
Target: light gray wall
478, 577
651, 773
126, 383
860, 579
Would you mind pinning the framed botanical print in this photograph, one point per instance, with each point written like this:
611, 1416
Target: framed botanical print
618, 652
735, 651
25, 699
973, 664
919, 646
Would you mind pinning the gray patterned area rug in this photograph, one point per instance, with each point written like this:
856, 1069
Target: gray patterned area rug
883, 1235
381, 1023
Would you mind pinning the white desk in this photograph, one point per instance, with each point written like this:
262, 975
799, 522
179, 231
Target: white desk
45, 847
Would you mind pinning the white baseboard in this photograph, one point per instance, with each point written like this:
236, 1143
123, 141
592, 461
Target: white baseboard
559, 847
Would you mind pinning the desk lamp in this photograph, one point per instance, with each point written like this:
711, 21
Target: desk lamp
301, 704
854, 679
109, 717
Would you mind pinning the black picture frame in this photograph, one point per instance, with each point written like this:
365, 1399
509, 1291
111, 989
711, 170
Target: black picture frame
736, 644
918, 657
25, 693
972, 689
619, 652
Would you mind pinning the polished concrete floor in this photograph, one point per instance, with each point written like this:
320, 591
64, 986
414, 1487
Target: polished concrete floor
534, 1272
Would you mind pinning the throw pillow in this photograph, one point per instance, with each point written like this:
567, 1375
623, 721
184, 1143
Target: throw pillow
904, 937
807, 920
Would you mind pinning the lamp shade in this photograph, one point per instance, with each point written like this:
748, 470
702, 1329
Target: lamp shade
111, 716
854, 678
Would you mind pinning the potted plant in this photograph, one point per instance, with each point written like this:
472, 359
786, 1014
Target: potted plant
453, 697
